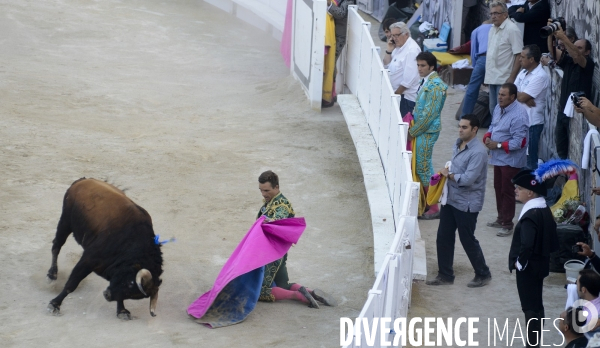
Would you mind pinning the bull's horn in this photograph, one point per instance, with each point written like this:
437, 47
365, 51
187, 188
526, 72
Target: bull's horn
153, 300
143, 276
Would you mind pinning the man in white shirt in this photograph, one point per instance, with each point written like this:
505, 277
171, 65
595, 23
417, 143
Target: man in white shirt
400, 58
532, 84
505, 43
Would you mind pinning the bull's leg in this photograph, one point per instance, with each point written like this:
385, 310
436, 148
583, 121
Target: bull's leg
62, 232
122, 313
80, 271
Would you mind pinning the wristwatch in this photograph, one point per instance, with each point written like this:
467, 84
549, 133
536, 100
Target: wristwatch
499, 145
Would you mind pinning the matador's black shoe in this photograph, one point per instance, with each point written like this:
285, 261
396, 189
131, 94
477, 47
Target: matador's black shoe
324, 297
313, 303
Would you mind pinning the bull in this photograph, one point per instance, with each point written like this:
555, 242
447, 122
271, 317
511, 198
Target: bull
118, 244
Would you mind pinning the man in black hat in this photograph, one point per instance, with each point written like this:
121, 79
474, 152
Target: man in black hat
534, 239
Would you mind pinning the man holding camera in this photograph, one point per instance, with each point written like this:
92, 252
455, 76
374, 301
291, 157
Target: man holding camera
591, 112
578, 69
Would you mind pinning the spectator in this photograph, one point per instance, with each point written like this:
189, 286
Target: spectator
533, 14
532, 86
506, 139
578, 69
466, 191
589, 111
573, 339
534, 239
588, 288
400, 58
426, 129
467, 4
339, 10
479, 41
386, 27
504, 47
590, 254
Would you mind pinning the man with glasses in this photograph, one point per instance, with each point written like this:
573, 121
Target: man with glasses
505, 43
399, 58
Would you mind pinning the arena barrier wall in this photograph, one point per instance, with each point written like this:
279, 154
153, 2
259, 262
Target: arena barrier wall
373, 100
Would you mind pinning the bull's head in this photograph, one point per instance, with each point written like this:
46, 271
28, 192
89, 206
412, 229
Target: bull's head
133, 286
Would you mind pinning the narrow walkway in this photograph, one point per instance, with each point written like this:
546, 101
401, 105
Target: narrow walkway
499, 299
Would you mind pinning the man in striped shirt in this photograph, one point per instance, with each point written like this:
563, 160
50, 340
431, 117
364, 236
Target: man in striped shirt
507, 140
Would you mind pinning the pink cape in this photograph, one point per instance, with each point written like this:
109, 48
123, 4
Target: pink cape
237, 287
286, 38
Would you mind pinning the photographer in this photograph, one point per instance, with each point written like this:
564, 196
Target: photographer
591, 113
590, 254
578, 69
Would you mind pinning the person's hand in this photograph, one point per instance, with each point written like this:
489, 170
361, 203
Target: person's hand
545, 60
328, 2
585, 249
596, 191
492, 145
560, 34
530, 103
521, 9
585, 103
409, 137
390, 44
444, 172
267, 220
597, 227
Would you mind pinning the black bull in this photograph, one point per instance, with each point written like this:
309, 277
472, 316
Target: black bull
118, 244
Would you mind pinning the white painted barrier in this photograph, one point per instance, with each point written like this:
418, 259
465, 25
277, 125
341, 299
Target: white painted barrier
308, 47
369, 82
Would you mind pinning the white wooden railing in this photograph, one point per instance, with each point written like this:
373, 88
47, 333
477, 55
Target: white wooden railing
369, 82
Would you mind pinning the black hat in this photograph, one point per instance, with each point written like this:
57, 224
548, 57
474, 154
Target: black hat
526, 179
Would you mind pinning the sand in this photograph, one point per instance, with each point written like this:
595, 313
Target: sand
183, 106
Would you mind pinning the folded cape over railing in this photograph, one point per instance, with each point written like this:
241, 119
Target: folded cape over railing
236, 290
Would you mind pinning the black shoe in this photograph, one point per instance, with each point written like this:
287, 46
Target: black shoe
323, 297
325, 104
439, 281
313, 303
478, 281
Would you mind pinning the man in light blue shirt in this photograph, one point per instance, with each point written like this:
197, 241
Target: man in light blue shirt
507, 140
479, 41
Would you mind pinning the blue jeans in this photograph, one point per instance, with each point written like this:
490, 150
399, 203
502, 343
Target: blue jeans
494, 89
535, 133
475, 82
406, 106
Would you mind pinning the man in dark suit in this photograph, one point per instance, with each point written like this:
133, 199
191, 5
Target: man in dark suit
532, 13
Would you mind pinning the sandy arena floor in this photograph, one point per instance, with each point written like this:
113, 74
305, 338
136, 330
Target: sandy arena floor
183, 106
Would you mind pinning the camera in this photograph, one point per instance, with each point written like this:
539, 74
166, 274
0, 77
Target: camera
555, 25
576, 248
575, 98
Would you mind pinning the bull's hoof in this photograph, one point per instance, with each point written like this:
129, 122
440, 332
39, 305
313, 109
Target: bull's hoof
124, 315
51, 275
53, 309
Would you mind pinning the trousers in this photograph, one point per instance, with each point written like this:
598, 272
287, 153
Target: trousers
452, 219
505, 194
